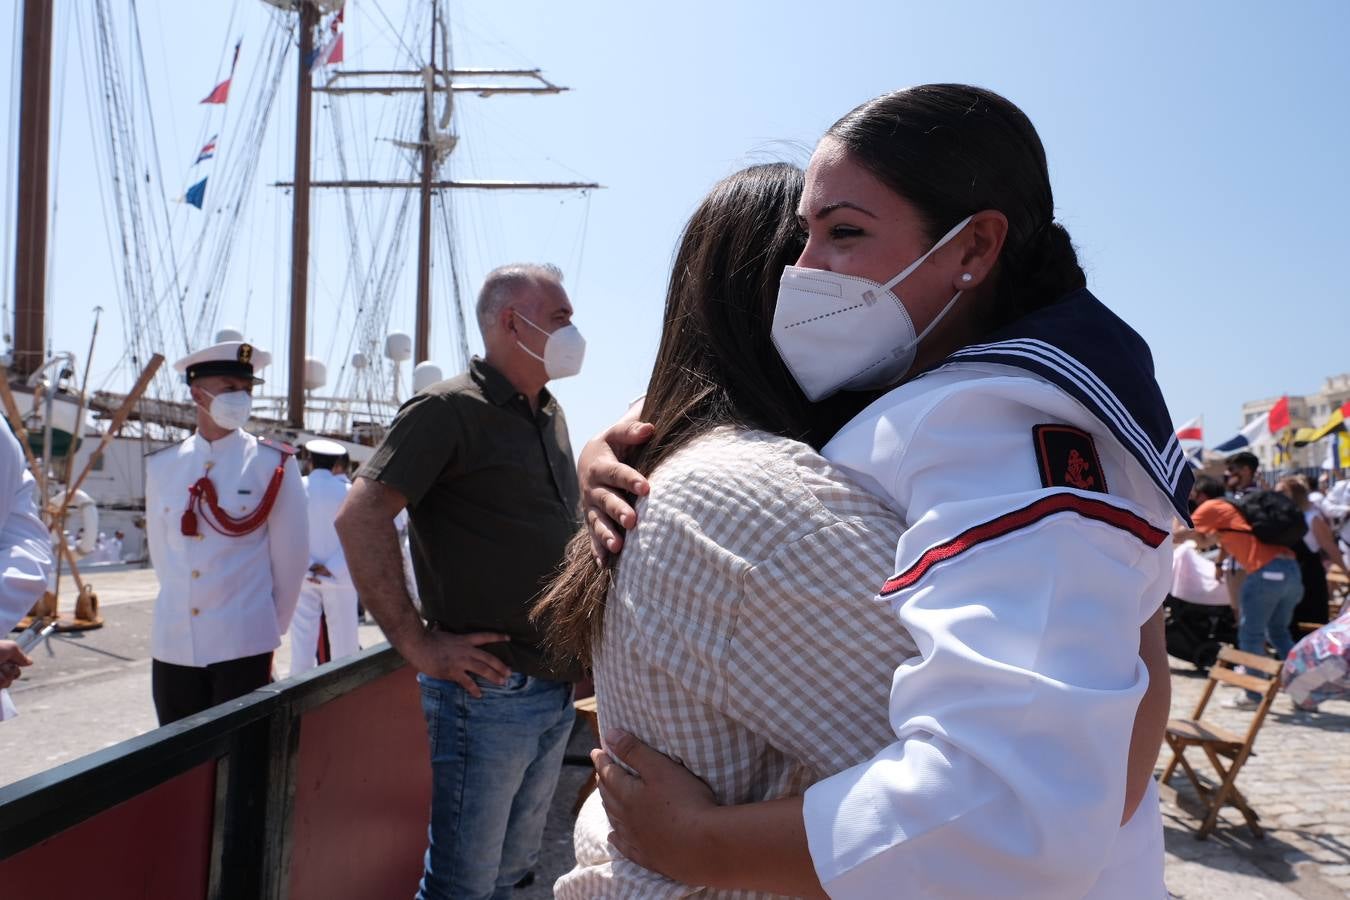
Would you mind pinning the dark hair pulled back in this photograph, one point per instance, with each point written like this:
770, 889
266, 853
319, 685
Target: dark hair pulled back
952, 150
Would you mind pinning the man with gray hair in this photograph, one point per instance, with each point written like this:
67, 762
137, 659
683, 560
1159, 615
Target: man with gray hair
483, 465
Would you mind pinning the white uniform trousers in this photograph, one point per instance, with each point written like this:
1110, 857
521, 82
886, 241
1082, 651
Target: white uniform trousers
338, 603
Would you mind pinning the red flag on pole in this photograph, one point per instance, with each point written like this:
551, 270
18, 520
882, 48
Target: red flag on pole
1279, 416
330, 54
221, 92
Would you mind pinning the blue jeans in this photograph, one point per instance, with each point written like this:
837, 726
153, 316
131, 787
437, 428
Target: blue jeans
1267, 603
494, 765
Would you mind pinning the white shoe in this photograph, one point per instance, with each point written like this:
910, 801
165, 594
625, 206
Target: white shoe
1240, 701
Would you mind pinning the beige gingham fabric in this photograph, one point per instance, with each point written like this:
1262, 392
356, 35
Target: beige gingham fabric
741, 636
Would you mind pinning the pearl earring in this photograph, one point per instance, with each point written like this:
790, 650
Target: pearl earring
965, 276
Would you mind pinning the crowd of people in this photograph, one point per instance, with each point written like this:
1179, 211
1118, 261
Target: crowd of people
1277, 588
105, 550
893, 614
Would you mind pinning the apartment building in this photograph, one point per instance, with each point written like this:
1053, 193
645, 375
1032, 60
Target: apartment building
1309, 410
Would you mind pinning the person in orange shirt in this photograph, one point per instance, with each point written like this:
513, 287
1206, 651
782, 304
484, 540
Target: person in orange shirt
1271, 590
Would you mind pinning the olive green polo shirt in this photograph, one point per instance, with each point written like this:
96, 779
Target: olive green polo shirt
492, 502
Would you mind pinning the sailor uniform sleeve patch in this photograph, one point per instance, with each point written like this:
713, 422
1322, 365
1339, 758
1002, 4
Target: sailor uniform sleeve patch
1067, 457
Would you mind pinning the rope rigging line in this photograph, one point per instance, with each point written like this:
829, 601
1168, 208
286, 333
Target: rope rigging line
121, 184
240, 178
166, 240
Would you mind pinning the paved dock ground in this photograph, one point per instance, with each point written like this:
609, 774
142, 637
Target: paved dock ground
1298, 782
90, 690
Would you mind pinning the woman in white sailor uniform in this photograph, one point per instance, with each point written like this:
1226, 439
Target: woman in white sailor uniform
1030, 454
228, 534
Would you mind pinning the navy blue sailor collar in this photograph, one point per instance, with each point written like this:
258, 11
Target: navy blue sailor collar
1090, 353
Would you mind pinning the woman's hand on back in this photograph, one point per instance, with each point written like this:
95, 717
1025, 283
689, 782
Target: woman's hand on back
667, 820
654, 818
604, 479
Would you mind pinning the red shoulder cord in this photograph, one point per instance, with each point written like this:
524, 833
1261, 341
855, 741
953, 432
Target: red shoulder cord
203, 491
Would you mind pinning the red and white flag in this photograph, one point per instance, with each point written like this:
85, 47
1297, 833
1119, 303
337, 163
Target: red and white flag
1194, 430
331, 52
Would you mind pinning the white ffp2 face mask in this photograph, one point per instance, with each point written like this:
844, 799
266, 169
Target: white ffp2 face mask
564, 350
841, 332
230, 410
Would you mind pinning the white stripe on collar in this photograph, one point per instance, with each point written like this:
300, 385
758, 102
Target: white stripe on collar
1166, 470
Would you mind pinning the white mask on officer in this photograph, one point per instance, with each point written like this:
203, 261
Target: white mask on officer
564, 350
230, 410
842, 332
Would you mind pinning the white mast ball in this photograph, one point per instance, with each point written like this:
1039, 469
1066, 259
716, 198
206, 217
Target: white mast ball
360, 361
398, 347
425, 374
316, 374
229, 334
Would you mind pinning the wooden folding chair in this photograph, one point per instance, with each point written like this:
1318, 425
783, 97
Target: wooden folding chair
1218, 743
1338, 586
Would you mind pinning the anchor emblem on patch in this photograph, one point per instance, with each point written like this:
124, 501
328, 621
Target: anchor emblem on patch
1067, 457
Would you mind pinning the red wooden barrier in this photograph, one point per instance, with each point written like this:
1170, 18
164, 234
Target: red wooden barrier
362, 794
313, 789
156, 844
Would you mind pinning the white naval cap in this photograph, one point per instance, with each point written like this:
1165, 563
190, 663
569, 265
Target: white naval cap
238, 358
325, 447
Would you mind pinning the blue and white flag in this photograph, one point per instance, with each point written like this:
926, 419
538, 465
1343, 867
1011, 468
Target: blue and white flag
1245, 438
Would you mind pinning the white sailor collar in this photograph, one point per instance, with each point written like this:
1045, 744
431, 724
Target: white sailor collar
1082, 347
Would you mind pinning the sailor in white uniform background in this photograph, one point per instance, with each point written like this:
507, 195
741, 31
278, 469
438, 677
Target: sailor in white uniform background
229, 541
115, 550
327, 591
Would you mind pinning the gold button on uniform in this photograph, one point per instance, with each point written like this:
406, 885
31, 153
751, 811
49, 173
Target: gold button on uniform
196, 611
196, 574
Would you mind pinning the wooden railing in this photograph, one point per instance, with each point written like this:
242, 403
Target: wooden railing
316, 787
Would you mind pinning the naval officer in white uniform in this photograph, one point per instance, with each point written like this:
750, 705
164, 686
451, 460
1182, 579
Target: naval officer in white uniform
327, 590
229, 540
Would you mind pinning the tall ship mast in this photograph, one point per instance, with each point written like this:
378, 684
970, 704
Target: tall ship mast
180, 270
437, 81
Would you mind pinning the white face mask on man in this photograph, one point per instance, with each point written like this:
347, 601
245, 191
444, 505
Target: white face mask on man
230, 410
564, 350
841, 332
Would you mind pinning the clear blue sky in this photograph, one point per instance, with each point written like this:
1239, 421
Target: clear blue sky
1200, 154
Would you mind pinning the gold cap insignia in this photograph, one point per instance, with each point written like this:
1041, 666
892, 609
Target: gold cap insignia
245, 353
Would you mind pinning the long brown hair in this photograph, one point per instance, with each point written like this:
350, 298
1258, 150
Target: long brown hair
715, 365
